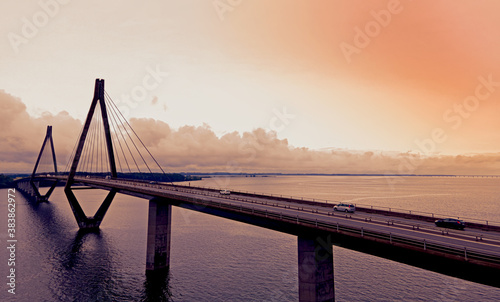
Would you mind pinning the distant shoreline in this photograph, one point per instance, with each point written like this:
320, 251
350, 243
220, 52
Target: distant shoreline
216, 174
7, 179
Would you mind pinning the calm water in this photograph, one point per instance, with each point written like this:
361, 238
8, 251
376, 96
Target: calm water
213, 259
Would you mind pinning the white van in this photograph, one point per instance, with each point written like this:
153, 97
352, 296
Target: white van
225, 192
345, 207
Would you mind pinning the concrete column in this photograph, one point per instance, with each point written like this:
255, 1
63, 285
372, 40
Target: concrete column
315, 268
159, 230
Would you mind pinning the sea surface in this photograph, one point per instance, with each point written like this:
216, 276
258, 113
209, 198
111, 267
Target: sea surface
215, 259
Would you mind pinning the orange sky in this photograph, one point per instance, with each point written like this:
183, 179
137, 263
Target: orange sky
426, 67
426, 59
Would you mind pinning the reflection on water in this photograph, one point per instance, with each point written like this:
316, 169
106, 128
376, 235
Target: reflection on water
82, 268
156, 287
70, 259
87, 271
214, 259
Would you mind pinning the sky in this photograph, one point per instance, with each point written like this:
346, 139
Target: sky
323, 86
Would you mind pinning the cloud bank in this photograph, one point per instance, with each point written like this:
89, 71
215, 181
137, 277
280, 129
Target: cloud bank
21, 135
199, 149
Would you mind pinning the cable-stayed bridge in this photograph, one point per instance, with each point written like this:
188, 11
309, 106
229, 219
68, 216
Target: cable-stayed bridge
109, 155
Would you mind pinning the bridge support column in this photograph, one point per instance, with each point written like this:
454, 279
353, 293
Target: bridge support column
159, 230
315, 268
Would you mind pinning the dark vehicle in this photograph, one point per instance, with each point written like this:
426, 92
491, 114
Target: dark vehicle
450, 223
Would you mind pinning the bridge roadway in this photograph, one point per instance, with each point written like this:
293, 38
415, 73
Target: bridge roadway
415, 242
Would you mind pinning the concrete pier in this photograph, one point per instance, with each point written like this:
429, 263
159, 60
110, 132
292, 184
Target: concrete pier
159, 233
315, 268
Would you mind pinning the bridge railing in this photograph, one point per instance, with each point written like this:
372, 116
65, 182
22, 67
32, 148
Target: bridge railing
390, 211
428, 216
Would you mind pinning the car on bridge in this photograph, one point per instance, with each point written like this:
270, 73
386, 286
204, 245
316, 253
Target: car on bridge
345, 207
225, 192
450, 223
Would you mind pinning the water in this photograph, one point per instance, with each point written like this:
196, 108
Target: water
214, 259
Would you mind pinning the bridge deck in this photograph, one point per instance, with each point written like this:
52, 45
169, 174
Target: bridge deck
478, 247
488, 241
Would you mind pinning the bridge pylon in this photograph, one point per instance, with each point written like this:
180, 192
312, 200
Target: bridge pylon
84, 221
48, 140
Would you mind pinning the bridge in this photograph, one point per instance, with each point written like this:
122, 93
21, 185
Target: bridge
472, 254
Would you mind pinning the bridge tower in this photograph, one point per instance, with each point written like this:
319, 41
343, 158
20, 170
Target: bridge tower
84, 221
48, 139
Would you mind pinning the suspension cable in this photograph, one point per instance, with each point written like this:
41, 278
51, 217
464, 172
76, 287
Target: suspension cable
116, 108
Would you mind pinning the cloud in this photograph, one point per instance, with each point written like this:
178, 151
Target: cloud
22, 135
199, 149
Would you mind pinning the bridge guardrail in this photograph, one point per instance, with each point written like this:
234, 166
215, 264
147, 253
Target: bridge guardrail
477, 237
488, 225
390, 211
423, 244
